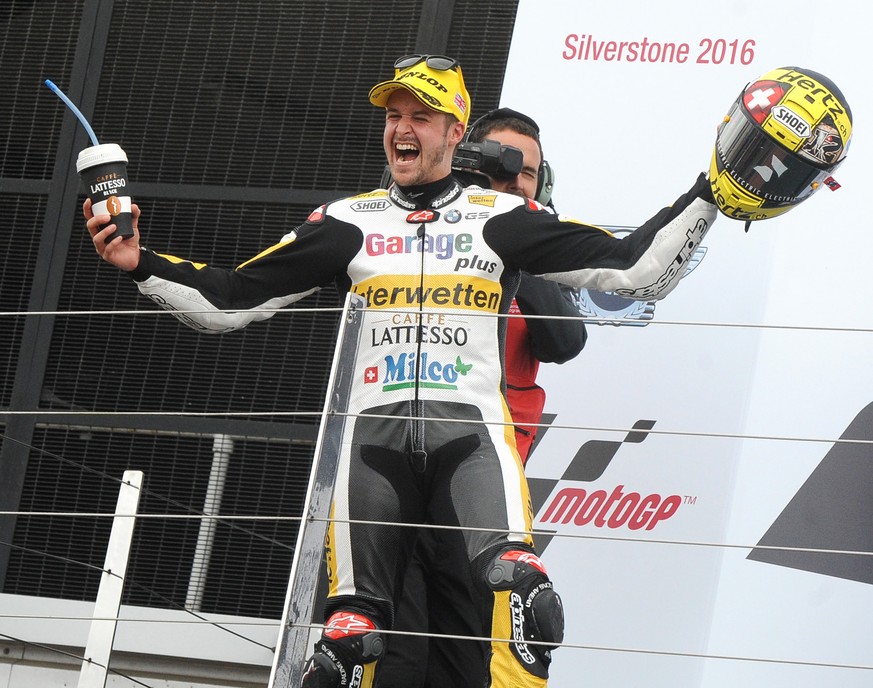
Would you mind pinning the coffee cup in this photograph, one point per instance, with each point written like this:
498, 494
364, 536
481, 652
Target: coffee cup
103, 170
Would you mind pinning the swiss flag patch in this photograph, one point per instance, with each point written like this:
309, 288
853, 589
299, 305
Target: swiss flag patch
760, 97
832, 183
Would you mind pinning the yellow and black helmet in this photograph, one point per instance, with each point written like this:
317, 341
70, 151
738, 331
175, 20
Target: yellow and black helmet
781, 140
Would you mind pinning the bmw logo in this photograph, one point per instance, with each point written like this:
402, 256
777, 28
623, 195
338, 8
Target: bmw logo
453, 216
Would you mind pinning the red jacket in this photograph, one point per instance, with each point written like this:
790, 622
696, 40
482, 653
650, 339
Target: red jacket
529, 342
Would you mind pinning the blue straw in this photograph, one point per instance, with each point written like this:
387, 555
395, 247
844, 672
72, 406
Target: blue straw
75, 110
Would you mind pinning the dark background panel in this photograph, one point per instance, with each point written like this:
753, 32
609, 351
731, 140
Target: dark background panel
37, 42
80, 470
17, 266
269, 94
238, 119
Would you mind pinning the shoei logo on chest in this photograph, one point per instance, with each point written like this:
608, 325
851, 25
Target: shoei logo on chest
371, 205
442, 246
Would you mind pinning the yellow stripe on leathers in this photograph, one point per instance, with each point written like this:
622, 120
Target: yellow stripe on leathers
506, 672
369, 675
509, 435
330, 554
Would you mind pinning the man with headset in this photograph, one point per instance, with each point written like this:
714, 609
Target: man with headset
531, 341
438, 594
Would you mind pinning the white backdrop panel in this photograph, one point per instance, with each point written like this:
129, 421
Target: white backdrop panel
750, 369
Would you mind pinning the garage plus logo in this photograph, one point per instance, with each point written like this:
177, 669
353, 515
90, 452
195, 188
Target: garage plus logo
613, 508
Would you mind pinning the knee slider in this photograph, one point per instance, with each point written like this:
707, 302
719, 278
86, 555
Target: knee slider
346, 653
535, 608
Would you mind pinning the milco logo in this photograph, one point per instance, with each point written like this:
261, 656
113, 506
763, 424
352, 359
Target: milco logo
791, 120
408, 370
442, 246
371, 206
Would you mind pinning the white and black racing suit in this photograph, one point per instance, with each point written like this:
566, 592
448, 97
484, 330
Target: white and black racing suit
431, 351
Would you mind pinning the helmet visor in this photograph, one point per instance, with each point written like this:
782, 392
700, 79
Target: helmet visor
763, 167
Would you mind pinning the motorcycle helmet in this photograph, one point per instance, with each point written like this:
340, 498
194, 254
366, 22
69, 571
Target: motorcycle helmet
781, 140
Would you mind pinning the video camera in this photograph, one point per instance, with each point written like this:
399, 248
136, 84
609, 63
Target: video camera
499, 162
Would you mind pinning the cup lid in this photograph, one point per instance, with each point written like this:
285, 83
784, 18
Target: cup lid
100, 155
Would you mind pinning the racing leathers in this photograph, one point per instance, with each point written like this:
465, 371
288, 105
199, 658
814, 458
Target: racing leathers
429, 438
438, 595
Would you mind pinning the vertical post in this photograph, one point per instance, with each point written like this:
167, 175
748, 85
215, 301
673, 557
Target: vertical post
103, 625
435, 26
293, 640
222, 448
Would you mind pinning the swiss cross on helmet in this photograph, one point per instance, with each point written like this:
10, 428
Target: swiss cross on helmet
780, 142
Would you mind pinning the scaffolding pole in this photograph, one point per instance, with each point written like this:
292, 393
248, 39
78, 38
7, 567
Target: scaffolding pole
303, 581
105, 619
